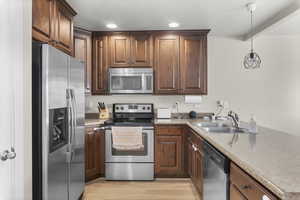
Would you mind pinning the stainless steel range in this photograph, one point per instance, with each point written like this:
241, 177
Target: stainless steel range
131, 164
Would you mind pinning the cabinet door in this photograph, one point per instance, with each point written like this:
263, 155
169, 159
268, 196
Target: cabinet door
168, 155
99, 68
94, 154
119, 50
248, 186
64, 26
193, 65
141, 49
198, 171
190, 158
83, 51
235, 194
41, 19
166, 64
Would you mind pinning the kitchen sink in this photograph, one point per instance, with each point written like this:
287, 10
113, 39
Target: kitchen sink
224, 129
211, 124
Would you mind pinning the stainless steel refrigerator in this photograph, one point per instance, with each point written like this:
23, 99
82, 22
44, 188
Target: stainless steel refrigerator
58, 124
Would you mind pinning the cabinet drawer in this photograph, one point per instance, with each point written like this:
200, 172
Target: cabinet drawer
169, 130
195, 139
247, 185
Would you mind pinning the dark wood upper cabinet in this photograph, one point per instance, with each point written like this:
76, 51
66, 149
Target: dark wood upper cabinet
166, 63
94, 154
52, 22
179, 59
120, 50
132, 49
42, 19
64, 26
141, 49
100, 69
193, 64
83, 51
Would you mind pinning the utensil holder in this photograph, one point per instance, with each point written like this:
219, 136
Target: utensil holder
104, 114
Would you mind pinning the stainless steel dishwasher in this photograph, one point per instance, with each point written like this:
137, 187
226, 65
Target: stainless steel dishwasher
216, 174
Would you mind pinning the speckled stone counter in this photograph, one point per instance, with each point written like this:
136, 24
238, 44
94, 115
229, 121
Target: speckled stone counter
271, 157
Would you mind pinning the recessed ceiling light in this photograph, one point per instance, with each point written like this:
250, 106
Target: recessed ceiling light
173, 25
111, 26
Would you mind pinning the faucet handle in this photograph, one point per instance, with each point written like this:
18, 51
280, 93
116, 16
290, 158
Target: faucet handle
236, 117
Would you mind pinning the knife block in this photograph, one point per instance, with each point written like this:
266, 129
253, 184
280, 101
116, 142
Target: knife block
104, 114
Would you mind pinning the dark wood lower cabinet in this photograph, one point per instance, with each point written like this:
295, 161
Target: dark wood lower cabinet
179, 153
198, 172
194, 164
235, 193
168, 156
169, 152
94, 154
244, 187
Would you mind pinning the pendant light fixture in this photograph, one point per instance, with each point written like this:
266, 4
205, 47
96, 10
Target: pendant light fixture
252, 59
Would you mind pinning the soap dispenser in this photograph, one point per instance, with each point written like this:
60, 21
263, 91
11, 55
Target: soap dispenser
252, 125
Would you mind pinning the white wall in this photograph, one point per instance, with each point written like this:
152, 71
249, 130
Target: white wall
15, 98
271, 93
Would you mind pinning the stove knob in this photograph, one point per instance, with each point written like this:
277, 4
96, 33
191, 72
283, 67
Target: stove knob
144, 108
117, 108
122, 108
148, 108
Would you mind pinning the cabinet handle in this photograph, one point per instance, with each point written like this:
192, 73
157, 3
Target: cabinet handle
264, 197
194, 147
246, 187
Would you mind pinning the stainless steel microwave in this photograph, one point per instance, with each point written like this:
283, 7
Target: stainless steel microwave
130, 80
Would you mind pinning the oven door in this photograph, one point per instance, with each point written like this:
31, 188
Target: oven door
142, 155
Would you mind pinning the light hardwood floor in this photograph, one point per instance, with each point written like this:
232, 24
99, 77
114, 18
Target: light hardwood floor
161, 189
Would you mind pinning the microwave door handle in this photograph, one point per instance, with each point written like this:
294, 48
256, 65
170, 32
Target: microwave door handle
144, 83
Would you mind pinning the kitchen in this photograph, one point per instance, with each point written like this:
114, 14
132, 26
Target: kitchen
198, 101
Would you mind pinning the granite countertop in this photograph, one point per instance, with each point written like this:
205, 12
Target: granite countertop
271, 157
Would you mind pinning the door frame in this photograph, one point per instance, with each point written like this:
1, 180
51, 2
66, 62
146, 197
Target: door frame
17, 21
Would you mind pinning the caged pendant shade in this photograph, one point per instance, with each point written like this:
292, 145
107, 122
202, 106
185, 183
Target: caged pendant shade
252, 59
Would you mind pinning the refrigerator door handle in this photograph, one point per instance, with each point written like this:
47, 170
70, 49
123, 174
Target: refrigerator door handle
71, 117
74, 109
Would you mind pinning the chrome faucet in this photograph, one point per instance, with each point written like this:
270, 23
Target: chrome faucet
235, 118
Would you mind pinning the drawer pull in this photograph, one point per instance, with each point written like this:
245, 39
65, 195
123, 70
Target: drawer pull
246, 187
265, 198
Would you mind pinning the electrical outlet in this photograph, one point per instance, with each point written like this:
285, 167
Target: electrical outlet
226, 104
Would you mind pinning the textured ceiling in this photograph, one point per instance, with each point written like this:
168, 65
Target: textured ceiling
223, 17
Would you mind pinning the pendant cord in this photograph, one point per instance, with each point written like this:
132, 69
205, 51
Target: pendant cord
251, 31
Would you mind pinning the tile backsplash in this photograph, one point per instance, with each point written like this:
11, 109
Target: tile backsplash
175, 103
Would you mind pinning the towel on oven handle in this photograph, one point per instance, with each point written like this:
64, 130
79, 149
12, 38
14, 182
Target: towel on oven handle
127, 138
